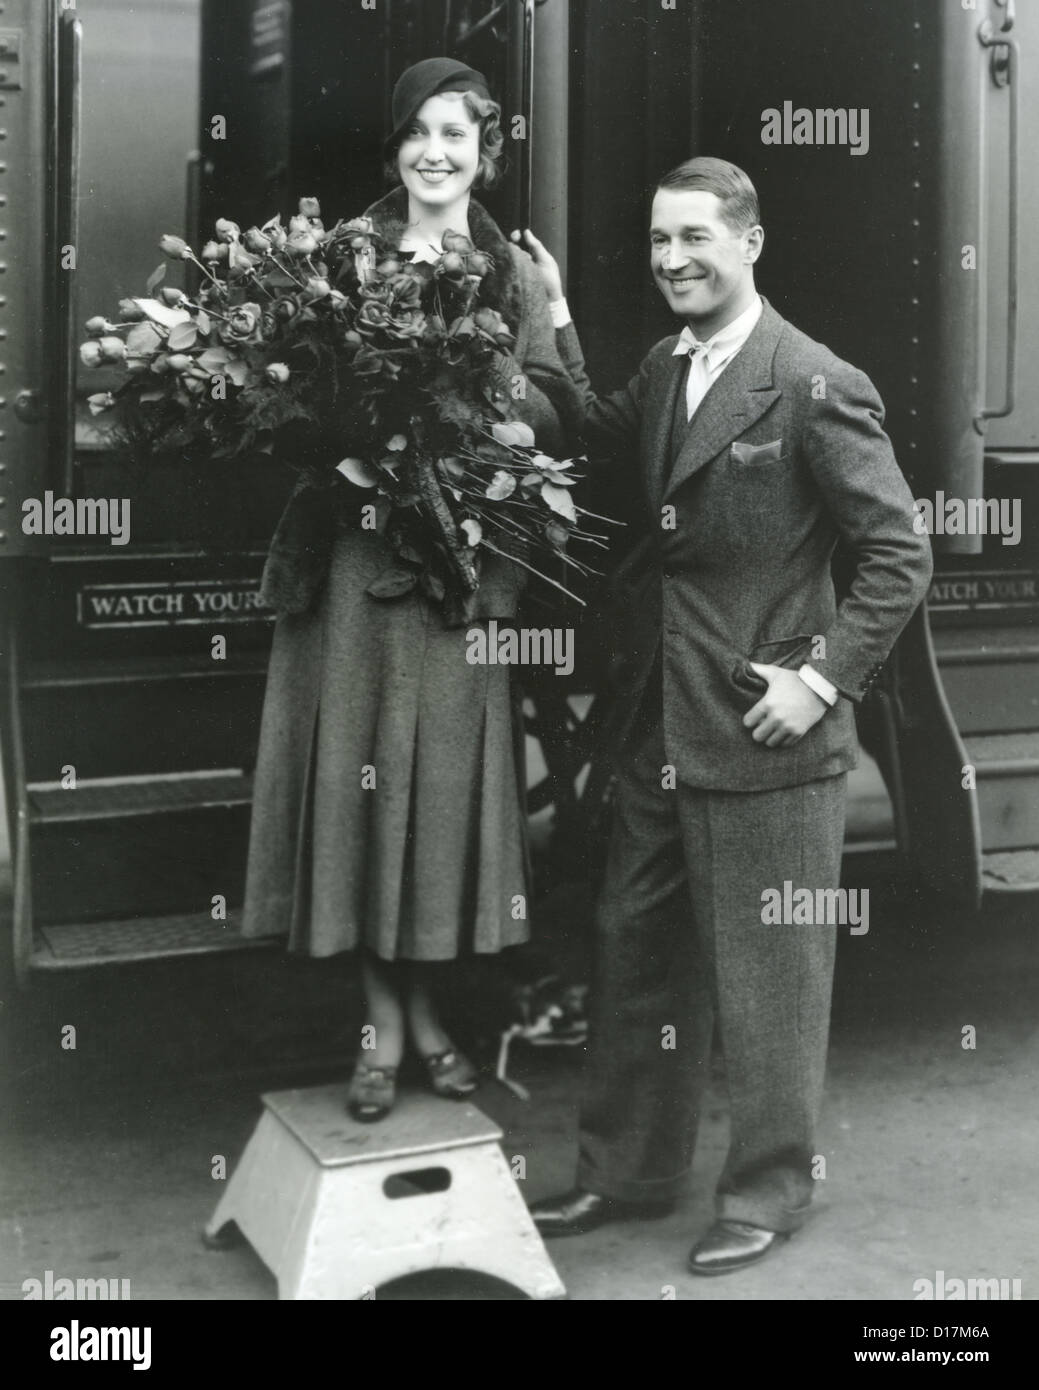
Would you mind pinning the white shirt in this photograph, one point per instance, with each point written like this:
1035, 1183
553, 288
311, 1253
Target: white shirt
713, 356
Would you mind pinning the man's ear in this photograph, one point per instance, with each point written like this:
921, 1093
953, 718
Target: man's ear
753, 243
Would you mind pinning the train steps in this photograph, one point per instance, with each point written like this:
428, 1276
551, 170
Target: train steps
132, 791
991, 680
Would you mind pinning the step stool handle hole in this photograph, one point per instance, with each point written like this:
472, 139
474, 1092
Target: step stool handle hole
417, 1182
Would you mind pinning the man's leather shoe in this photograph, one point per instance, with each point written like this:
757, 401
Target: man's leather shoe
731, 1245
578, 1212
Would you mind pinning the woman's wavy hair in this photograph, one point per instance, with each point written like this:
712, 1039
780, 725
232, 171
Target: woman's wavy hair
487, 114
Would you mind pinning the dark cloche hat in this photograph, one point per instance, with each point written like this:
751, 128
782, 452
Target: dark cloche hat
424, 80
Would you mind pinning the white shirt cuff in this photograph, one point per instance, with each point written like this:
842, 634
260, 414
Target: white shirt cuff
822, 687
560, 313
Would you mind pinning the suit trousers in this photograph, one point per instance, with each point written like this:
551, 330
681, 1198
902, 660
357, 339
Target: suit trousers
680, 945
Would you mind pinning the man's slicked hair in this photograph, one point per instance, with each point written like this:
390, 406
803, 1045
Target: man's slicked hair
728, 183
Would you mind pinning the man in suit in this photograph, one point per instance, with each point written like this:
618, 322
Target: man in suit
757, 451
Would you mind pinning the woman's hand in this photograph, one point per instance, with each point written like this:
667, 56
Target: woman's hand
545, 262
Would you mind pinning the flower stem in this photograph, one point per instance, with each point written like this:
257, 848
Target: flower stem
517, 561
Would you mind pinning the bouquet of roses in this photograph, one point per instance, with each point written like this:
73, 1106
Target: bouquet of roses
326, 332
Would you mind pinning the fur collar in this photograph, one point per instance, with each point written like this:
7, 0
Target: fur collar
501, 288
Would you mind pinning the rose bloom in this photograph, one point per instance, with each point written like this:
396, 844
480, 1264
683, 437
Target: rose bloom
286, 308
372, 317
406, 291
113, 349
302, 244
276, 232
310, 207
317, 288
358, 233
256, 240
410, 324
244, 324
375, 292
174, 246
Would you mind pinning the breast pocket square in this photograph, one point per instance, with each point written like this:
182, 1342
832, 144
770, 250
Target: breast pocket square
757, 453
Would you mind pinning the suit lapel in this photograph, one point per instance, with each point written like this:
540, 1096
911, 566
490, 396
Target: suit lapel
741, 395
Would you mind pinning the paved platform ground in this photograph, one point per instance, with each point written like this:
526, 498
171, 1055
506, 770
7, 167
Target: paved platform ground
106, 1152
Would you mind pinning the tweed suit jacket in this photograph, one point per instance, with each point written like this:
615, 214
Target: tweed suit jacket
786, 455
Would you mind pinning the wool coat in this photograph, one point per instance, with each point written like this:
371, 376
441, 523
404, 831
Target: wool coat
389, 796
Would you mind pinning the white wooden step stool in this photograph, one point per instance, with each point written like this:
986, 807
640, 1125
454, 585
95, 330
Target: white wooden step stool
335, 1208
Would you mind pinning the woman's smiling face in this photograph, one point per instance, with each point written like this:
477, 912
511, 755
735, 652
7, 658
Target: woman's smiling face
440, 154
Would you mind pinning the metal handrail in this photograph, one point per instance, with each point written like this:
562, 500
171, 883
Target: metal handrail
1006, 74
70, 68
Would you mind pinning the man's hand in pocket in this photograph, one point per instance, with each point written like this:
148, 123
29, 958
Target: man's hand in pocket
786, 711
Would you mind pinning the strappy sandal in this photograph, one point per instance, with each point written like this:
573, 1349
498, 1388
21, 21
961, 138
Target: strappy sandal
372, 1093
451, 1074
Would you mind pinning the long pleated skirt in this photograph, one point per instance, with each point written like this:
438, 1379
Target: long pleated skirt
388, 804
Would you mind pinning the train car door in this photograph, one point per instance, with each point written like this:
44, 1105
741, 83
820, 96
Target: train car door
984, 603
134, 657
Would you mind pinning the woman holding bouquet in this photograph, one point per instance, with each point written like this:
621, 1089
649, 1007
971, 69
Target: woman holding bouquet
389, 808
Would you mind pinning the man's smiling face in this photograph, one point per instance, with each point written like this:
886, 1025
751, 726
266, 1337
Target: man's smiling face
703, 267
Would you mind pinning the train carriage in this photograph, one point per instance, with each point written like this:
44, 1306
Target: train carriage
128, 732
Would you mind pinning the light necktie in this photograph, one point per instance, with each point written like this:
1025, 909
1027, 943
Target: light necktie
698, 381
